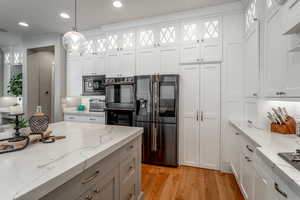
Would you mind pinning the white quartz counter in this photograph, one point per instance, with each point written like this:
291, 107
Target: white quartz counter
270, 144
40, 168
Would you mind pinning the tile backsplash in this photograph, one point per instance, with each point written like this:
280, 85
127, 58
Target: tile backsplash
256, 111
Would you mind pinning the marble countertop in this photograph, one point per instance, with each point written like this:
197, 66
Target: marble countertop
269, 145
40, 168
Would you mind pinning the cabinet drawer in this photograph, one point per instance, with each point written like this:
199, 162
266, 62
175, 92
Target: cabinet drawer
127, 168
248, 148
84, 181
128, 150
73, 118
100, 120
127, 191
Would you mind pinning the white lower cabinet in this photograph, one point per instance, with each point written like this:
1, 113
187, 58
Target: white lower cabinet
85, 118
235, 148
201, 115
257, 179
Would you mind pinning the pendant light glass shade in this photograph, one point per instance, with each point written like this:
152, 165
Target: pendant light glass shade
73, 41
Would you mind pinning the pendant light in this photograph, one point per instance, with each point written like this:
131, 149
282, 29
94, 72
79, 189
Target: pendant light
73, 41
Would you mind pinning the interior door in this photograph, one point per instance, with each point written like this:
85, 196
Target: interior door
210, 116
190, 101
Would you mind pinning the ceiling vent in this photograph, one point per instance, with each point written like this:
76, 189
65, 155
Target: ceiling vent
3, 30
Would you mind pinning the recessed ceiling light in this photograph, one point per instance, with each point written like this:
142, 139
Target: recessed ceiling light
65, 15
117, 3
24, 24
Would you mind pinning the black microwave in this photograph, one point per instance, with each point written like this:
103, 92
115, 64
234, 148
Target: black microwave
93, 85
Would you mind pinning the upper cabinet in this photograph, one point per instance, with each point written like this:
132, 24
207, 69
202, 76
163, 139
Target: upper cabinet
158, 49
120, 59
252, 51
201, 41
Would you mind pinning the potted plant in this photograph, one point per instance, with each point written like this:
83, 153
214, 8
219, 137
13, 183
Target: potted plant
15, 85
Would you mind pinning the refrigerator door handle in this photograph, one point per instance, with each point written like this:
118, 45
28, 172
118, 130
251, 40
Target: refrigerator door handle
154, 138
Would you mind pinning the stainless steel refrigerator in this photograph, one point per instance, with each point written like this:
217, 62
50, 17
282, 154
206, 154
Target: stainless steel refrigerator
157, 111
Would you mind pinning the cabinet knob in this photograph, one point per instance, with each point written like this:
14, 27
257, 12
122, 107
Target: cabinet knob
277, 93
254, 94
198, 41
282, 93
237, 133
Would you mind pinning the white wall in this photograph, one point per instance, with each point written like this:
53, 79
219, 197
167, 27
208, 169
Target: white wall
59, 76
10, 39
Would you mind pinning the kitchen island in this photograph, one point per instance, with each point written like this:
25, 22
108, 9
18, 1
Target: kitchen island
92, 162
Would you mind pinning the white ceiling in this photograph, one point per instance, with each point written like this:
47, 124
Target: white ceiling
43, 15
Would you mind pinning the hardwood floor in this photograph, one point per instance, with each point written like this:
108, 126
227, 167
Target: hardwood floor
188, 183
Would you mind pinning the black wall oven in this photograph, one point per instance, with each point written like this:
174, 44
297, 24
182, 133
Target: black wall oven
120, 93
93, 85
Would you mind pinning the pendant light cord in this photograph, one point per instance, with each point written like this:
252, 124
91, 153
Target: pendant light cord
75, 28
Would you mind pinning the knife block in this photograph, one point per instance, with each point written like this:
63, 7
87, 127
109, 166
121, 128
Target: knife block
289, 127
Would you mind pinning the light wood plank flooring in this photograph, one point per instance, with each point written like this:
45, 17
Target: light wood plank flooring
188, 183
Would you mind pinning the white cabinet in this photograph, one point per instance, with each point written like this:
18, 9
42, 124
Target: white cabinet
201, 113
252, 71
74, 77
120, 60
263, 187
158, 50
93, 65
235, 152
201, 41
85, 118
275, 56
247, 177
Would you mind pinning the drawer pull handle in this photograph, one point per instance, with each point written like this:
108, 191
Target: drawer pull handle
249, 149
92, 119
131, 147
277, 188
89, 197
248, 159
97, 190
91, 177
